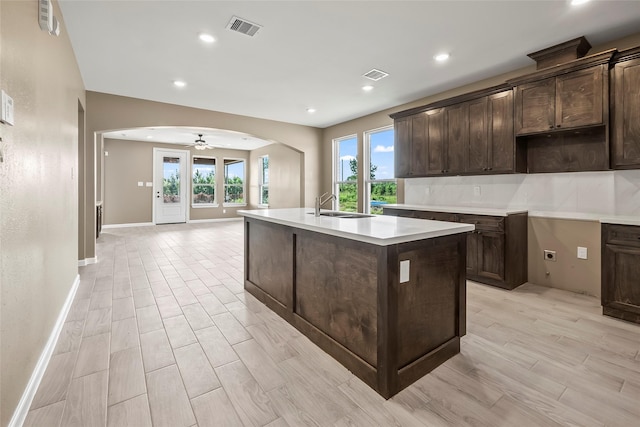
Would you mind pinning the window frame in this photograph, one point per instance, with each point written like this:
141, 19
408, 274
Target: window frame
336, 168
214, 185
367, 167
261, 184
225, 185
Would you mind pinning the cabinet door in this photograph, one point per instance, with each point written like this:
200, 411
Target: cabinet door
478, 145
491, 255
626, 116
418, 161
436, 145
472, 253
501, 144
402, 147
457, 137
579, 97
621, 278
535, 106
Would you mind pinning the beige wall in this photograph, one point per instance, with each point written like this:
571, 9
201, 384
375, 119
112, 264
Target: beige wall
564, 237
39, 190
284, 177
129, 162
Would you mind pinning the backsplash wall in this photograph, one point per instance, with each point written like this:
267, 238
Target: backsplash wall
601, 193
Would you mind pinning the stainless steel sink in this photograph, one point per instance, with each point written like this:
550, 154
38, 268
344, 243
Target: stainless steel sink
335, 214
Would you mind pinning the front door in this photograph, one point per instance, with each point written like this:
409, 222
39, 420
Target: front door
170, 186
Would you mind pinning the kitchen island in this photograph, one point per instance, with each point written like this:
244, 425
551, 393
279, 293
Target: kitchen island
383, 295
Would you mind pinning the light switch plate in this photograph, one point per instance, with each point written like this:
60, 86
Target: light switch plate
7, 109
404, 271
149, 184
140, 183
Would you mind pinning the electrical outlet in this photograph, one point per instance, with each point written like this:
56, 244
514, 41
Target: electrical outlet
550, 255
477, 190
427, 191
582, 252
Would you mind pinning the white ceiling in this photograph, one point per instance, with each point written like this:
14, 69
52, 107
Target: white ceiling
217, 138
313, 53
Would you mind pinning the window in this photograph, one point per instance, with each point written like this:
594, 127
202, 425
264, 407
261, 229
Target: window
380, 181
203, 180
263, 180
234, 182
345, 173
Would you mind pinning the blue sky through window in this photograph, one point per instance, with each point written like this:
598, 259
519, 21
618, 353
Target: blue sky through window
382, 153
348, 151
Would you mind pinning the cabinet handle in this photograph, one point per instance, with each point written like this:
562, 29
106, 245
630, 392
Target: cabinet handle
558, 126
551, 127
489, 168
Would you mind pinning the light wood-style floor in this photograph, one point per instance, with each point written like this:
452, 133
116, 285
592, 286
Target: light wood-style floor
161, 333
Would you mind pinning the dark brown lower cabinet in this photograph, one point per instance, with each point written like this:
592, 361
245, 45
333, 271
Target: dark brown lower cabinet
496, 250
621, 271
346, 297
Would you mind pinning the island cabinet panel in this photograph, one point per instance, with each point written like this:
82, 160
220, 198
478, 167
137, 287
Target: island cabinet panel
428, 298
626, 115
336, 286
268, 268
621, 271
347, 296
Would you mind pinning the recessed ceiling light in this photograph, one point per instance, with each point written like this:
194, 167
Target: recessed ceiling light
441, 57
179, 83
207, 38
149, 136
311, 110
367, 88
578, 2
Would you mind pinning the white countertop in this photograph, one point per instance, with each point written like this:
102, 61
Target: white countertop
380, 230
458, 209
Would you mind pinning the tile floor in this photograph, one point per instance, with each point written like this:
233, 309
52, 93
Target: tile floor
161, 333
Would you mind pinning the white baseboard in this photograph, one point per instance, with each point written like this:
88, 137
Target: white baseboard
20, 414
87, 261
192, 221
135, 224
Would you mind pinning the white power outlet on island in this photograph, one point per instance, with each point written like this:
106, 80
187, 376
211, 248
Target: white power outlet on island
476, 190
404, 271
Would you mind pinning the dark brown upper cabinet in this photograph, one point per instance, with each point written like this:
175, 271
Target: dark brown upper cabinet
491, 145
626, 111
436, 136
469, 134
570, 100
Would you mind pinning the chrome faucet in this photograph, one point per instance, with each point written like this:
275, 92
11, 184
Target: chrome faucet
320, 201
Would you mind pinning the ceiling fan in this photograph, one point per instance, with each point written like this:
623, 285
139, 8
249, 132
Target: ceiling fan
201, 144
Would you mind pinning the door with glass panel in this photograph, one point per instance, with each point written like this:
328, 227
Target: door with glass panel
170, 186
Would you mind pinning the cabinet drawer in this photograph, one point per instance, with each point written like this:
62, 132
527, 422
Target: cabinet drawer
437, 216
484, 223
627, 235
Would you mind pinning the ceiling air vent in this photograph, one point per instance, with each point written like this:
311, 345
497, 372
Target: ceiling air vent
243, 26
375, 75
